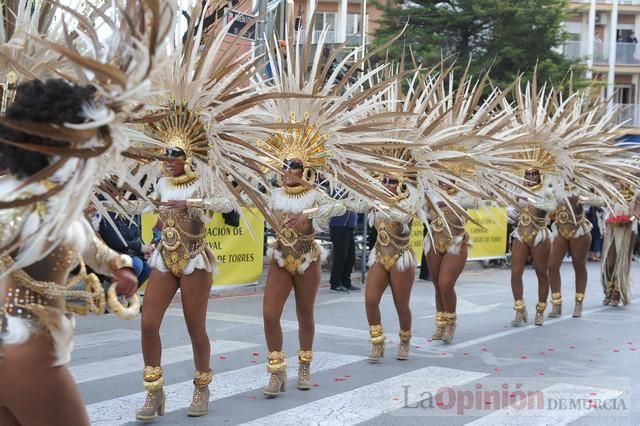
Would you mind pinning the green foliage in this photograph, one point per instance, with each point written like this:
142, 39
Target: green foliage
509, 36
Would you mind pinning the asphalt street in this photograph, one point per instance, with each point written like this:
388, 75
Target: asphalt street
569, 371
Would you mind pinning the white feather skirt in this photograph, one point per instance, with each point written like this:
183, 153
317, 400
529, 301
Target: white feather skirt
204, 261
541, 236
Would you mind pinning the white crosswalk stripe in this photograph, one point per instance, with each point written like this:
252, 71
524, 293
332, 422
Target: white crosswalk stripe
91, 340
368, 402
133, 363
552, 396
121, 410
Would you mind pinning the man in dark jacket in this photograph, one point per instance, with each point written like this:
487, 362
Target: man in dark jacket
132, 244
343, 252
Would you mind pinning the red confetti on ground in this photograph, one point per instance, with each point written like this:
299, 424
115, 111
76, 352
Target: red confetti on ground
487, 403
616, 350
222, 357
251, 397
512, 395
347, 375
593, 393
254, 362
315, 385
418, 346
255, 354
572, 347
541, 373
542, 353
484, 349
429, 340
339, 379
466, 353
523, 357
551, 349
439, 403
395, 398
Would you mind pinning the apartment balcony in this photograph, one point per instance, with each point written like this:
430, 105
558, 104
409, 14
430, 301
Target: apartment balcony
627, 54
330, 38
628, 115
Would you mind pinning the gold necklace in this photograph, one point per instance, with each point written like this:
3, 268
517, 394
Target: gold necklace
297, 191
182, 181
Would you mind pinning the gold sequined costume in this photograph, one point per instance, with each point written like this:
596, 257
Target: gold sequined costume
532, 228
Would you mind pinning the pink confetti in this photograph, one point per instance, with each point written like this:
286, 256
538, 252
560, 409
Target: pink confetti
633, 349
593, 393
590, 360
339, 379
523, 357
418, 346
551, 349
616, 350
512, 395
254, 362
440, 403
484, 349
395, 398
315, 385
347, 375
429, 340
487, 403
572, 347
251, 397
255, 354
541, 373
466, 353
222, 357
542, 353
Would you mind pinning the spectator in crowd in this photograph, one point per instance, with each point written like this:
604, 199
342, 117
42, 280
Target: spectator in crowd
343, 252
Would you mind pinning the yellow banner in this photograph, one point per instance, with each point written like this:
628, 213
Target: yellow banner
488, 243
238, 251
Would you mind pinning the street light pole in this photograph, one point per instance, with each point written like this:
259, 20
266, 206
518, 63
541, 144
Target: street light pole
363, 26
261, 28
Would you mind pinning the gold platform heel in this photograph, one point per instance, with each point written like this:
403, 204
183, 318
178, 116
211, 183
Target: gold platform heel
278, 370
405, 345
304, 369
155, 399
440, 324
200, 402
577, 310
521, 313
377, 343
556, 305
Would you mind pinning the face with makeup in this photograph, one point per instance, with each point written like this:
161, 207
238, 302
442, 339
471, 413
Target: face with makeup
175, 165
292, 169
532, 177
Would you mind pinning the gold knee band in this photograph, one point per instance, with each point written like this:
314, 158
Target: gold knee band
579, 297
202, 378
276, 362
305, 356
540, 307
519, 305
405, 335
556, 298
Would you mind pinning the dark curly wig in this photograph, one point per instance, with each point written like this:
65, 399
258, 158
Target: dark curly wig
53, 101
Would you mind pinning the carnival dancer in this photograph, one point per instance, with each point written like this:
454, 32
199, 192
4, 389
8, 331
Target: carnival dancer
621, 229
202, 90
59, 139
322, 136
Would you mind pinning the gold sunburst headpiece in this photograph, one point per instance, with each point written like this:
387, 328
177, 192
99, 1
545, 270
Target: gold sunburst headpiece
538, 157
181, 128
301, 140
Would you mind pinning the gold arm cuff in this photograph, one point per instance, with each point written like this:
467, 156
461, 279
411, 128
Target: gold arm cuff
305, 356
197, 203
120, 261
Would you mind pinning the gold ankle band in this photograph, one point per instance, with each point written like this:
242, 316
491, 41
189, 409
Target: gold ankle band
151, 374
450, 317
275, 363
540, 307
305, 356
579, 297
556, 298
202, 378
519, 305
405, 335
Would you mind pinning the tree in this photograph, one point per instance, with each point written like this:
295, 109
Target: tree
510, 36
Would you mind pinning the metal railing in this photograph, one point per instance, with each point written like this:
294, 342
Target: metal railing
628, 115
626, 53
625, 2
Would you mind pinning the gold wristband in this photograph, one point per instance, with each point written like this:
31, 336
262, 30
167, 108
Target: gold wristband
195, 203
120, 261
